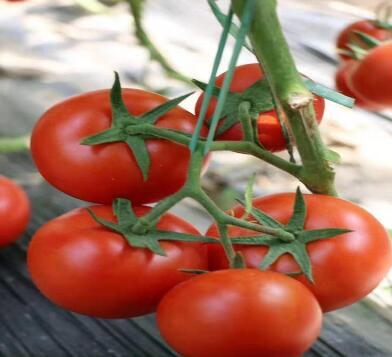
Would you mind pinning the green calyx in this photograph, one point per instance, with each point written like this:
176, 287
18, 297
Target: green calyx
127, 219
260, 100
359, 45
297, 247
122, 120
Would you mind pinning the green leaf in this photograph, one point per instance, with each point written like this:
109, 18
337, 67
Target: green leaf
221, 17
263, 218
107, 136
139, 150
359, 52
297, 220
369, 41
239, 261
180, 237
384, 25
153, 115
301, 256
330, 94
259, 95
194, 271
228, 122
332, 156
318, 234
122, 209
154, 246
249, 196
119, 110
107, 224
203, 87
273, 254
254, 240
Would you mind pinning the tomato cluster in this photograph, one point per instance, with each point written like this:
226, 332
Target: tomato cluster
365, 72
95, 262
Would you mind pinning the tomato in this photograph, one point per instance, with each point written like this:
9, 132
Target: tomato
368, 27
84, 267
342, 79
372, 77
104, 172
345, 268
244, 312
269, 128
14, 211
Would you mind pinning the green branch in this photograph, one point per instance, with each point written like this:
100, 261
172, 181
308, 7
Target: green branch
20, 143
136, 7
242, 147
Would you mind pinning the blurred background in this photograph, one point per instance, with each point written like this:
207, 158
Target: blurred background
52, 49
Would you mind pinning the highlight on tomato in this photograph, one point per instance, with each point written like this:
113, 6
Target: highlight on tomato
345, 268
15, 211
239, 312
81, 146
245, 78
82, 266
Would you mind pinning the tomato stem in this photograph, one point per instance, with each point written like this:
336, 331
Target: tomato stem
288, 88
243, 147
246, 121
136, 7
192, 189
20, 143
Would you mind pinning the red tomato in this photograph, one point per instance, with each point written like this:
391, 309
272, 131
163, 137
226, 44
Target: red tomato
345, 268
366, 26
372, 77
244, 312
14, 211
342, 79
104, 172
269, 128
84, 267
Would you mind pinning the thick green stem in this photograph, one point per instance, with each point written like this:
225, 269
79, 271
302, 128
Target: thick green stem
137, 11
290, 91
20, 143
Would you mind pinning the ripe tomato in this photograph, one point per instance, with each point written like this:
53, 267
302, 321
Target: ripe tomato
372, 77
244, 312
368, 27
342, 79
104, 172
14, 211
84, 267
345, 268
269, 128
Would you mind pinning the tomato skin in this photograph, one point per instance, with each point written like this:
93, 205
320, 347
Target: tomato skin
345, 268
372, 77
242, 312
86, 268
15, 211
366, 26
104, 172
269, 128
342, 79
